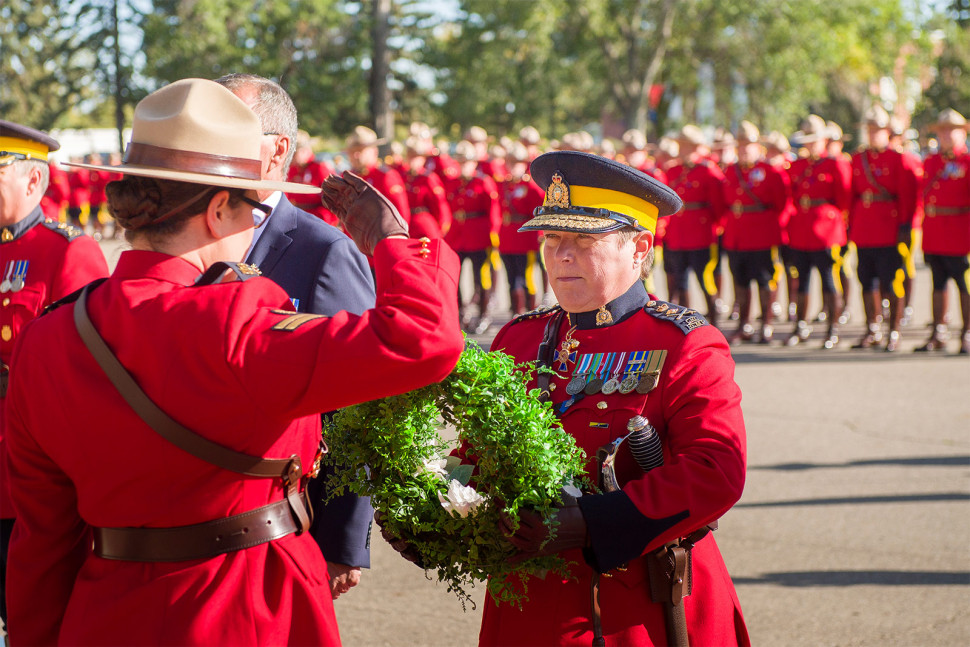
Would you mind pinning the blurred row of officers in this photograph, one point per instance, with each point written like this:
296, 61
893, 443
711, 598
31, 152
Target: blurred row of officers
776, 215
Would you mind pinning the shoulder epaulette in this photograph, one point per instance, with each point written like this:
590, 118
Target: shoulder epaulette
243, 272
70, 232
538, 313
71, 298
684, 318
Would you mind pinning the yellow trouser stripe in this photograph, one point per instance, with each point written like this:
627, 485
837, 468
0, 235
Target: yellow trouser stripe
530, 266
709, 285
966, 276
837, 268
779, 269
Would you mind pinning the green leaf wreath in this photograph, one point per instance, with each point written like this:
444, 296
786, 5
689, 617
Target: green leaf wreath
520, 455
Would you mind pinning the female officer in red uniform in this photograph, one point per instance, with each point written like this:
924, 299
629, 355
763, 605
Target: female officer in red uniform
657, 360
185, 552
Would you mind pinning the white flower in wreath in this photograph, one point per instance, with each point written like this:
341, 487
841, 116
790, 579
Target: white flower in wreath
437, 467
461, 499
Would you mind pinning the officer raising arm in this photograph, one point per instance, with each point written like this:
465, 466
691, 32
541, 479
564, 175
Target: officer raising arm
190, 473
41, 261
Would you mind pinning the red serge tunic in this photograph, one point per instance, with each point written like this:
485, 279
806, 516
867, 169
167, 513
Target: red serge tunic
53, 260
695, 408
757, 196
230, 362
313, 173
391, 184
695, 226
430, 212
946, 204
884, 197
519, 199
820, 196
476, 214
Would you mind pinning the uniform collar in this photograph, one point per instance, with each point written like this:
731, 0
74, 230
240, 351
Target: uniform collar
620, 309
12, 232
141, 264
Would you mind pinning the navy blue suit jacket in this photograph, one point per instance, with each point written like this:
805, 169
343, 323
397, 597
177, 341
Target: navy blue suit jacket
321, 269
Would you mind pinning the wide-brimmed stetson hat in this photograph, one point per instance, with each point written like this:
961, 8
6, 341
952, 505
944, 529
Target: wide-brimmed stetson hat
197, 131
363, 137
948, 118
587, 193
813, 129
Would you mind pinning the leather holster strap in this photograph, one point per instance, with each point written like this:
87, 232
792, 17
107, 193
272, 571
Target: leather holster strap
198, 541
4, 377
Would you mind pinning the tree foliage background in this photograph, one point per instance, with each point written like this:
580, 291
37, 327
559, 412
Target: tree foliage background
501, 64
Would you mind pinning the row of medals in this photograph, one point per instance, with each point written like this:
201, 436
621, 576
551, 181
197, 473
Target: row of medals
637, 381
12, 285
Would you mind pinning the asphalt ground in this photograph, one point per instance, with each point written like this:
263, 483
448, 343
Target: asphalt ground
854, 526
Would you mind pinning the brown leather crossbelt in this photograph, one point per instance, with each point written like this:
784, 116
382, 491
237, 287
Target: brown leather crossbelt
211, 538
198, 541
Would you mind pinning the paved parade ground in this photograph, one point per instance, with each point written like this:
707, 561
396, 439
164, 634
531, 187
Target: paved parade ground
854, 527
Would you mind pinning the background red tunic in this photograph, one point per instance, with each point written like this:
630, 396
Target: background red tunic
820, 196
946, 204
696, 225
313, 173
212, 359
877, 223
519, 199
430, 212
696, 410
757, 198
476, 214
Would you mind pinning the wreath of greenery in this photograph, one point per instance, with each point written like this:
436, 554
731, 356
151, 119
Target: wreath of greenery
516, 455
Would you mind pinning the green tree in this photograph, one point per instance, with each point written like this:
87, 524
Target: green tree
45, 63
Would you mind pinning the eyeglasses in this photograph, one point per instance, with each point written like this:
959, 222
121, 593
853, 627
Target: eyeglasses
265, 208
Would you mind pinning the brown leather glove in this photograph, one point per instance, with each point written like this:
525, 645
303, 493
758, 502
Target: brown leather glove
532, 532
365, 213
407, 550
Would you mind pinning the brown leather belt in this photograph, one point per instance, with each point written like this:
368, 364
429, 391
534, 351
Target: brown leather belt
933, 210
4, 376
198, 541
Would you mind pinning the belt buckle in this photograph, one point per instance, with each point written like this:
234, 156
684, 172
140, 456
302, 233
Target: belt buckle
737, 208
867, 199
805, 202
931, 210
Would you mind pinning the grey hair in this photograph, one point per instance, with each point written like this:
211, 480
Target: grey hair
24, 167
626, 235
273, 106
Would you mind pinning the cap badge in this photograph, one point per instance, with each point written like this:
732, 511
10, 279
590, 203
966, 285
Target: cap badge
557, 195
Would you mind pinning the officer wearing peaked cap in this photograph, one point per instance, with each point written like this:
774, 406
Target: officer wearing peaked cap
41, 261
621, 355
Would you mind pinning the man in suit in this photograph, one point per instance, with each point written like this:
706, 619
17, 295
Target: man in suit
322, 271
